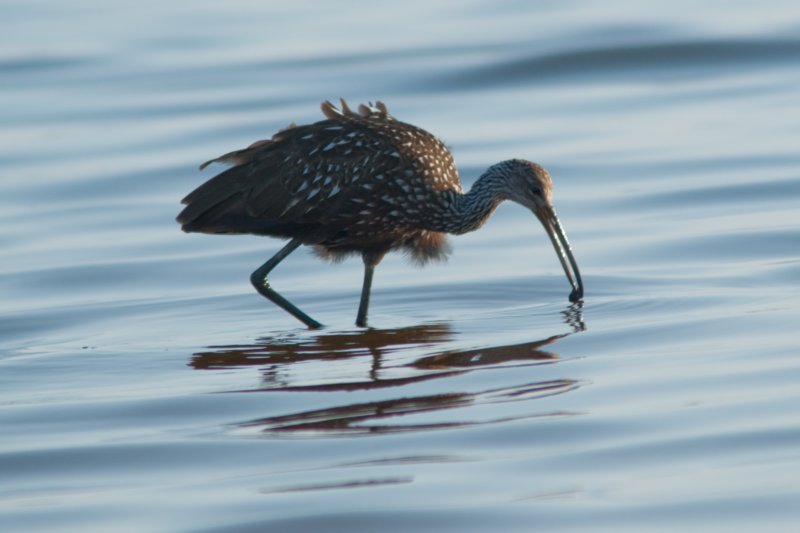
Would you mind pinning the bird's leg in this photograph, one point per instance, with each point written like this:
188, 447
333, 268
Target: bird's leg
363, 307
370, 261
260, 282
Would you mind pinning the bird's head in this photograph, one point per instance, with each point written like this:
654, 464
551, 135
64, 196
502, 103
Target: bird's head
524, 182
530, 185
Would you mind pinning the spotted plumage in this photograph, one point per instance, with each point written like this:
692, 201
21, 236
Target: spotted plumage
352, 182
360, 182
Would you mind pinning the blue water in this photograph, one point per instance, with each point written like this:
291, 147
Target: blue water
144, 386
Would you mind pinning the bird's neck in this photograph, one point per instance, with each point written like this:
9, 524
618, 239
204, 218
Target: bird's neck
468, 212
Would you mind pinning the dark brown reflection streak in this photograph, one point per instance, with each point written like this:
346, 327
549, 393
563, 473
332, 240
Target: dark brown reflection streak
361, 418
276, 354
375, 342
354, 484
491, 355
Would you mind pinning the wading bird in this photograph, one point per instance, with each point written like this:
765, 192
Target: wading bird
362, 182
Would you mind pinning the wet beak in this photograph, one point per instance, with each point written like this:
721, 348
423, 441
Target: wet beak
547, 216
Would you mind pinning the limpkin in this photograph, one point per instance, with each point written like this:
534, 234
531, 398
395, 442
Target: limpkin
362, 182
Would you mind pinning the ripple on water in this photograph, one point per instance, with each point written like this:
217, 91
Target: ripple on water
635, 61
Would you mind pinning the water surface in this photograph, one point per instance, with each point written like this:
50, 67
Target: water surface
144, 386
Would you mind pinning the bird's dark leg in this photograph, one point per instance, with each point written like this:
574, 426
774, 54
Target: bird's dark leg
370, 261
260, 282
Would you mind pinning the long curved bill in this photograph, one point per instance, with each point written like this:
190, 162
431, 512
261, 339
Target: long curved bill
547, 216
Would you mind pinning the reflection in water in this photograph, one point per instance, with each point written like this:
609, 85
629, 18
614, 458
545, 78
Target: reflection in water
277, 355
381, 416
271, 352
288, 350
492, 355
573, 316
352, 484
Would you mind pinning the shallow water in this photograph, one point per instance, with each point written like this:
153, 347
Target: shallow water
144, 386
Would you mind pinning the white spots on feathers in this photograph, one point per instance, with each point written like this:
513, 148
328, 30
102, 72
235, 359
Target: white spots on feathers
335, 143
363, 170
360, 177
293, 202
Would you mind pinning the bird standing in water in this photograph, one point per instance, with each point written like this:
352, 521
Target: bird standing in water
362, 182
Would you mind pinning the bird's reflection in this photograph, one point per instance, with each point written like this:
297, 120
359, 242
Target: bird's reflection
275, 354
492, 355
392, 416
289, 350
414, 354
269, 352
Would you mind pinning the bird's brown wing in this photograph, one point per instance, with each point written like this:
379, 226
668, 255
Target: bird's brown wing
304, 182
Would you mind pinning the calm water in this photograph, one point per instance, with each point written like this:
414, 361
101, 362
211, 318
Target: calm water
144, 386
